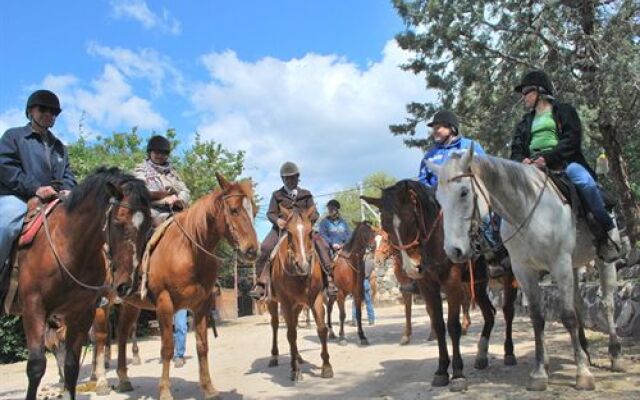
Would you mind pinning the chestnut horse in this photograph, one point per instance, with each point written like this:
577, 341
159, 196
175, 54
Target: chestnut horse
411, 217
182, 273
63, 273
296, 281
348, 275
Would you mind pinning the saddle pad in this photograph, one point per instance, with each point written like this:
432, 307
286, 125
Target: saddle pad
33, 222
146, 257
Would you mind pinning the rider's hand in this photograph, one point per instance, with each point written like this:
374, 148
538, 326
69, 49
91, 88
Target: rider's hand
46, 192
172, 200
281, 223
539, 162
526, 161
336, 246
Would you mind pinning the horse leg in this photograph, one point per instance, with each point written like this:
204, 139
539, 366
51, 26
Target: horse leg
329, 312
201, 319
466, 317
455, 297
433, 301
357, 298
509, 291
164, 312
34, 326
275, 321
76, 338
579, 306
135, 350
488, 312
563, 275
318, 315
406, 336
126, 319
101, 336
528, 279
342, 341
291, 319
297, 311
608, 284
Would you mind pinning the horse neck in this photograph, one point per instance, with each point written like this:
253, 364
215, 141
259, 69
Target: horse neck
81, 229
204, 221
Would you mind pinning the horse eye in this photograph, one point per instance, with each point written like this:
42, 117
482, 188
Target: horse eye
235, 211
464, 192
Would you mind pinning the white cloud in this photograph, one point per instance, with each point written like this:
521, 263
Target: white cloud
11, 118
322, 112
139, 10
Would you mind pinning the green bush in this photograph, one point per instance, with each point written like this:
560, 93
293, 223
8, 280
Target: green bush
12, 341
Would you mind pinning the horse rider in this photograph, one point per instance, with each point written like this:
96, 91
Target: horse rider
334, 233
168, 194
291, 197
168, 190
33, 162
550, 136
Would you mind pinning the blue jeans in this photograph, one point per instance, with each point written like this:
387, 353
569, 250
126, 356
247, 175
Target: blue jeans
179, 333
590, 193
12, 211
367, 301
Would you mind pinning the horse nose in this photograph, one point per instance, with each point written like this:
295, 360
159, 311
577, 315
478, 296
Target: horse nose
123, 289
454, 253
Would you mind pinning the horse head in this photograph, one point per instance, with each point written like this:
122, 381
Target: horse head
299, 231
408, 216
239, 211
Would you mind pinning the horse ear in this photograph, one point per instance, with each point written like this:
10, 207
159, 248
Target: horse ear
435, 168
467, 157
114, 191
222, 181
374, 201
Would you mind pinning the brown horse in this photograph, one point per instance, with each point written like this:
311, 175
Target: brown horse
410, 215
296, 281
348, 275
183, 271
63, 273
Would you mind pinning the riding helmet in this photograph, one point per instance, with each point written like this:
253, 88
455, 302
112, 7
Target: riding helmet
44, 98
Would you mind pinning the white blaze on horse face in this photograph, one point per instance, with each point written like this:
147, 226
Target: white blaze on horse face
246, 203
408, 264
300, 228
378, 240
138, 219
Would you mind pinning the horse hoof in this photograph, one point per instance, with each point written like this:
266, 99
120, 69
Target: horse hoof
405, 341
332, 335
296, 376
342, 342
440, 380
103, 389
537, 384
212, 396
364, 342
136, 360
458, 385
166, 396
327, 371
585, 382
273, 362
616, 365
510, 359
481, 363
125, 387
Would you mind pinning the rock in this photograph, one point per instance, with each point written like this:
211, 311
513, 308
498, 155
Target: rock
631, 272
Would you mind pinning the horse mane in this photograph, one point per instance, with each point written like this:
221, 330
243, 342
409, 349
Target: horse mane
495, 171
93, 189
357, 240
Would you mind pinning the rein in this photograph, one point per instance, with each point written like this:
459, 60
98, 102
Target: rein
416, 241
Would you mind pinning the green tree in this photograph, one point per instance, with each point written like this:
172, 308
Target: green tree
349, 199
473, 52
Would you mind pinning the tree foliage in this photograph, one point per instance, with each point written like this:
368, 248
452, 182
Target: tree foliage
349, 199
472, 53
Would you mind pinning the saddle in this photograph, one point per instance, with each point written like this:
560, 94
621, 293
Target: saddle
572, 196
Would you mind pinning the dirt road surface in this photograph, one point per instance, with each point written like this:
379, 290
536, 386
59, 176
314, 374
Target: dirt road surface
383, 370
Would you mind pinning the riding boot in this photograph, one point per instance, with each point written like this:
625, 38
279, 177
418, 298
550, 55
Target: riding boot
609, 246
259, 290
332, 290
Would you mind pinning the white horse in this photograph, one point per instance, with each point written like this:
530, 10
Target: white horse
540, 232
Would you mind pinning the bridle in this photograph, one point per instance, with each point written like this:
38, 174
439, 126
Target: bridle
297, 271
422, 235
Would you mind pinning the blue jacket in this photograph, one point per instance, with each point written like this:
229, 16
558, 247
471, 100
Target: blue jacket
334, 231
440, 153
24, 166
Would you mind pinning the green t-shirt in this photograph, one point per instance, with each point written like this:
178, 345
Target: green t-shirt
544, 133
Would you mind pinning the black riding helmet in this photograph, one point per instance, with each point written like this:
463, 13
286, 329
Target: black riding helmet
536, 78
445, 117
44, 98
158, 143
333, 203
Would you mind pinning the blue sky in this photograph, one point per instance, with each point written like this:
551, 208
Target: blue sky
313, 82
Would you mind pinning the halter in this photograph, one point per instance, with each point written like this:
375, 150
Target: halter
421, 229
476, 219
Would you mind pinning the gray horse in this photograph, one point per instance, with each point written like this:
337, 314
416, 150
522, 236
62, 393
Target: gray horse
540, 232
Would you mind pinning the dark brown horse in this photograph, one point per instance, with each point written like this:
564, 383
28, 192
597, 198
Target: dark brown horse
63, 273
183, 271
296, 281
348, 275
411, 216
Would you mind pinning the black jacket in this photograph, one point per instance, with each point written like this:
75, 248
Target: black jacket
303, 201
24, 166
569, 147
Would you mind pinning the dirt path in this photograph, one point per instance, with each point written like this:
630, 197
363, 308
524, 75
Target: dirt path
384, 370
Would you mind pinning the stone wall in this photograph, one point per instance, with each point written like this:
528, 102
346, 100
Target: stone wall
388, 292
